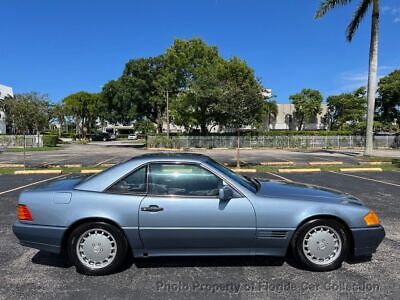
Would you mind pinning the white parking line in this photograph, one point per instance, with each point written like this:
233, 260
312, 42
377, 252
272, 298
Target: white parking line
279, 176
30, 184
104, 161
366, 178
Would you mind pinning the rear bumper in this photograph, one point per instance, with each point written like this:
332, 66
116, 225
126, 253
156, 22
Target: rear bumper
367, 240
47, 238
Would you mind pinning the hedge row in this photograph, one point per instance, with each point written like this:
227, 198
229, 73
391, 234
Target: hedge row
50, 140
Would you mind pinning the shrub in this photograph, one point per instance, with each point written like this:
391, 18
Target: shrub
50, 140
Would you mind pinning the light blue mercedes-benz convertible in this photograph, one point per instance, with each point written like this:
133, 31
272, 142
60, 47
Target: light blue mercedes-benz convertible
188, 204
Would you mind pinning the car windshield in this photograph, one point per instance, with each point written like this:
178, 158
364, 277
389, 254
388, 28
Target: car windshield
243, 181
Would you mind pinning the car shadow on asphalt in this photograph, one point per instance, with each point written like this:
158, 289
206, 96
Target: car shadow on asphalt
61, 261
208, 261
51, 259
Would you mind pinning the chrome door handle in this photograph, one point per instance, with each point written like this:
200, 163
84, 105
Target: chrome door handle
152, 208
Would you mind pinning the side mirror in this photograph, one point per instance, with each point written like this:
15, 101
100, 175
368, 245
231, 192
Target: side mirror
225, 193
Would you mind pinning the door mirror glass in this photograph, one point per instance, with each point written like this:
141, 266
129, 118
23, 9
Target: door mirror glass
225, 193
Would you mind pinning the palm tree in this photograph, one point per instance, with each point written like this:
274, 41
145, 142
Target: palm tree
359, 14
270, 110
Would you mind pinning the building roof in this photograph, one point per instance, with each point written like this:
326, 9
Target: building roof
5, 91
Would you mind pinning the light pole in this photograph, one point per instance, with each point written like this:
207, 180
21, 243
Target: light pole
168, 129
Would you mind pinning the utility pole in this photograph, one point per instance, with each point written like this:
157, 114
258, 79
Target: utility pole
168, 129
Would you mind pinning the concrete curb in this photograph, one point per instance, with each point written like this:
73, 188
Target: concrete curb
164, 149
299, 170
324, 163
11, 165
361, 170
73, 166
243, 170
90, 171
64, 166
38, 172
107, 165
277, 163
375, 163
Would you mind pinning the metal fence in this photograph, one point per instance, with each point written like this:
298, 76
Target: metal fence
283, 142
7, 141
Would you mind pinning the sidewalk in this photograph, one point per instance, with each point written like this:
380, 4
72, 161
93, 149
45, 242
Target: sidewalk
394, 153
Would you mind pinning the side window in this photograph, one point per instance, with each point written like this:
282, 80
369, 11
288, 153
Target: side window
183, 179
134, 183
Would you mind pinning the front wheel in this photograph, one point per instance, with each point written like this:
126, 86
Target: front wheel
320, 245
97, 248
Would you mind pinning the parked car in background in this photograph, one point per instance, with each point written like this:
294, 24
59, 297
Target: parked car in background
100, 136
132, 136
188, 204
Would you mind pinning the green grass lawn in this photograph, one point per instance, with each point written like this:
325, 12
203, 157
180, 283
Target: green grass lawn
32, 149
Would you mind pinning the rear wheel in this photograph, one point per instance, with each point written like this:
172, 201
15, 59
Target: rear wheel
320, 245
97, 248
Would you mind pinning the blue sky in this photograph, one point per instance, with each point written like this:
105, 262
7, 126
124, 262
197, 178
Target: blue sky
60, 47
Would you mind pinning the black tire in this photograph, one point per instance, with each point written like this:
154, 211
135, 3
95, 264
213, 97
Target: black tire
307, 263
120, 255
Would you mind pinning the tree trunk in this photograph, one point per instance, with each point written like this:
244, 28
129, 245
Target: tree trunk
372, 78
238, 148
300, 124
159, 128
203, 129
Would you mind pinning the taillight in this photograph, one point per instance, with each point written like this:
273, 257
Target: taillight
23, 213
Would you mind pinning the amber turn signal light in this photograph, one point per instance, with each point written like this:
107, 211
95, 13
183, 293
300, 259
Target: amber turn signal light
23, 213
371, 218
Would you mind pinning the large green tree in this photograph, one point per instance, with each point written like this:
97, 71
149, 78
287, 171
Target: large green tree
241, 102
307, 106
119, 107
27, 113
58, 114
190, 72
388, 101
362, 9
140, 92
196, 65
347, 110
85, 108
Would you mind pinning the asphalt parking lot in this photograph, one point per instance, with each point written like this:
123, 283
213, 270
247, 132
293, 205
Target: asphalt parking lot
28, 273
97, 154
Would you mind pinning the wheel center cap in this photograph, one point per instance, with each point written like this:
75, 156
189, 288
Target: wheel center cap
323, 244
97, 248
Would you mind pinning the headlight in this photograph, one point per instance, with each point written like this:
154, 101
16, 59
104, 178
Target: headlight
371, 219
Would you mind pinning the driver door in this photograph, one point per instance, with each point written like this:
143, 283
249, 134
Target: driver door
182, 214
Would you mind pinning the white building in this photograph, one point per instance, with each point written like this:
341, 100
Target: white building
285, 119
4, 92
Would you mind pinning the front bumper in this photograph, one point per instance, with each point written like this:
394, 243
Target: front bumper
366, 240
46, 238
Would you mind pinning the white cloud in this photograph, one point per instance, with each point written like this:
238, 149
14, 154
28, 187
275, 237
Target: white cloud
349, 81
393, 11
